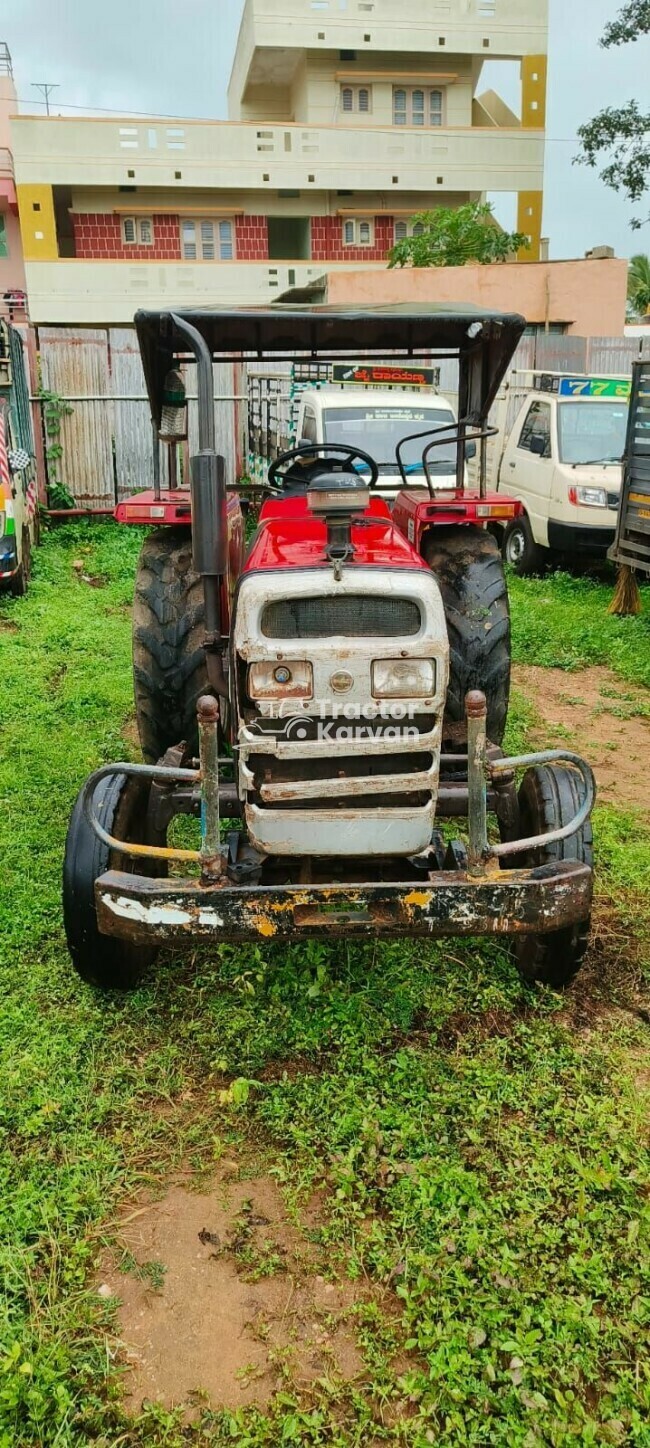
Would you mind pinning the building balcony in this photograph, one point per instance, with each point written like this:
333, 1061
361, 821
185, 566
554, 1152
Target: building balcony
212, 156
96, 293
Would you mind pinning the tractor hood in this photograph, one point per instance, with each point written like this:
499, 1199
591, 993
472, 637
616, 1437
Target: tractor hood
290, 536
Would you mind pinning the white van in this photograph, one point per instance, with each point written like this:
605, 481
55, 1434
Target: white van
562, 458
376, 420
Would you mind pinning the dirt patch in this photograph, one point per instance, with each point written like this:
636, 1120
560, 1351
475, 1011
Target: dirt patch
462, 1026
7, 625
600, 716
222, 1295
129, 732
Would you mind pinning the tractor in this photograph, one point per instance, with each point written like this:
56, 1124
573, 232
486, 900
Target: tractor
329, 701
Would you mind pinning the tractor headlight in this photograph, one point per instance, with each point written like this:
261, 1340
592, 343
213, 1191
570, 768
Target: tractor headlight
403, 678
293, 680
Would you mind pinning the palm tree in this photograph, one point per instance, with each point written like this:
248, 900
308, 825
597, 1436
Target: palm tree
638, 285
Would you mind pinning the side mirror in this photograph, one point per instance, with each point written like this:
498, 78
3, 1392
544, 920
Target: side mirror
538, 445
470, 451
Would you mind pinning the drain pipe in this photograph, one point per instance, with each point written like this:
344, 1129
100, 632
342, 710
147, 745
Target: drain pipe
209, 508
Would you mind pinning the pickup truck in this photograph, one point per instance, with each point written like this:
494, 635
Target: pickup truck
376, 420
562, 459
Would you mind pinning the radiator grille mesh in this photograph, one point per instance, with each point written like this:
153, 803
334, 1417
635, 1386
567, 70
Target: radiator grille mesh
352, 615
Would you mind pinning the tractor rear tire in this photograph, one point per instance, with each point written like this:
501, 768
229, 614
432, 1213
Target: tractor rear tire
104, 961
469, 572
550, 796
169, 664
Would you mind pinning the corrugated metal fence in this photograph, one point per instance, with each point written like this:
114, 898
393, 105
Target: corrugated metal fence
107, 437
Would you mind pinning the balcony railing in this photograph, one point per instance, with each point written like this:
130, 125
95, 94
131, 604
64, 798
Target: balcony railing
6, 162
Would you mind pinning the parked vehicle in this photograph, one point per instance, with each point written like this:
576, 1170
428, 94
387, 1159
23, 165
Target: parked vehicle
18, 493
356, 408
561, 458
344, 684
631, 546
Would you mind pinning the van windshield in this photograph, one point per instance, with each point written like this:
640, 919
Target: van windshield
592, 432
378, 429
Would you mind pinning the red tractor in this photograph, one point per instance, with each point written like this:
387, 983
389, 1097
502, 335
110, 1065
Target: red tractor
325, 699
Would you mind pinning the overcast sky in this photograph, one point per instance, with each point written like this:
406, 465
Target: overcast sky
173, 57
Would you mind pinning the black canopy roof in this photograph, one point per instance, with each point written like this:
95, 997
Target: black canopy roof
484, 342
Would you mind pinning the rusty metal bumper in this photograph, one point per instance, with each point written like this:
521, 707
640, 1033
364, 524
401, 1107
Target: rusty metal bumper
500, 902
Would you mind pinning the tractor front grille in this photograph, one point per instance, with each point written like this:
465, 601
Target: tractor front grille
349, 616
348, 775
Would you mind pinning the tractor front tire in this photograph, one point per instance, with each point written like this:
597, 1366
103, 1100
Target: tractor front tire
103, 960
468, 569
169, 664
549, 797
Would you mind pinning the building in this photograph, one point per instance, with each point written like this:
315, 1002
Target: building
345, 118
585, 298
12, 271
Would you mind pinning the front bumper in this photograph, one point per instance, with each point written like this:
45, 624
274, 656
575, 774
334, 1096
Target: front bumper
501, 902
579, 538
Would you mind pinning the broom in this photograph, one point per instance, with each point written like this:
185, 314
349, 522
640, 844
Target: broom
627, 599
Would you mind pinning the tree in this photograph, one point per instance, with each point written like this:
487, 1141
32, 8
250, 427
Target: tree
618, 138
447, 237
638, 286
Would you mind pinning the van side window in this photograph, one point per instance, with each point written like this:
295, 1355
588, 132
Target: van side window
309, 427
537, 424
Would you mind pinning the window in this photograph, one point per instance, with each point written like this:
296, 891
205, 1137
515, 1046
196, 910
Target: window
358, 231
537, 424
207, 240
356, 98
417, 107
137, 231
309, 428
4, 244
407, 228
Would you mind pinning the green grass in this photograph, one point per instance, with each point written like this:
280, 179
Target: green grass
561, 621
479, 1158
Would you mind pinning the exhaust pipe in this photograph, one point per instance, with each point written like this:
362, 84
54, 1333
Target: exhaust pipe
209, 508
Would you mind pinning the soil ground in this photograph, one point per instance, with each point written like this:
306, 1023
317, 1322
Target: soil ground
221, 1295
600, 716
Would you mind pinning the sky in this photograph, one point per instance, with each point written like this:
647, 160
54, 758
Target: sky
173, 57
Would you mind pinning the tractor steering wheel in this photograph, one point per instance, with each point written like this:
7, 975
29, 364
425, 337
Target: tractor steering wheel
277, 475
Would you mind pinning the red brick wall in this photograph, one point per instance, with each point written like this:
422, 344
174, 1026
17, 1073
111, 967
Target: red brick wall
251, 238
98, 236
327, 240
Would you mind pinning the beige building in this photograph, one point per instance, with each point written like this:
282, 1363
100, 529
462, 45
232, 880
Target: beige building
346, 117
12, 271
585, 298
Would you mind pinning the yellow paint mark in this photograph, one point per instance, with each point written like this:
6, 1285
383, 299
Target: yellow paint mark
265, 927
417, 897
37, 223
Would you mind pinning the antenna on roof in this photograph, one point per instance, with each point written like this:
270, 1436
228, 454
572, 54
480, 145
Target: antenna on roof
46, 89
